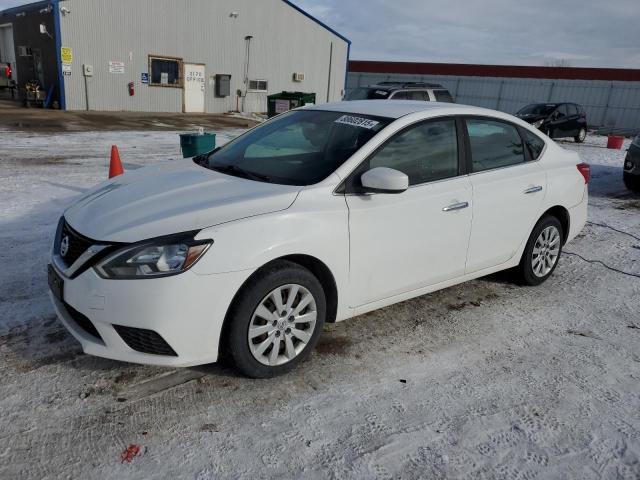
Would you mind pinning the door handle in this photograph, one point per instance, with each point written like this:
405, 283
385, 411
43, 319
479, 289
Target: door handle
535, 189
456, 206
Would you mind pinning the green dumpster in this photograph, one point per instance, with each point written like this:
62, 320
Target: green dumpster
194, 144
285, 101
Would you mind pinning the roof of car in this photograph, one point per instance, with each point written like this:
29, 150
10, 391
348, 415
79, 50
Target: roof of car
400, 85
389, 108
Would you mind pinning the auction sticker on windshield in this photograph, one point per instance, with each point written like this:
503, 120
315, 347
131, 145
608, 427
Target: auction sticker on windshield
357, 122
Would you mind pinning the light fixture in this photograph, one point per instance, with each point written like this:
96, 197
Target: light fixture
65, 11
234, 15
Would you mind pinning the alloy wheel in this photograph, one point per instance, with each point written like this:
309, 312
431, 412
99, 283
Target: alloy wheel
545, 252
582, 135
282, 325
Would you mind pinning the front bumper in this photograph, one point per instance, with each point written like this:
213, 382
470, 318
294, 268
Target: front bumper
186, 311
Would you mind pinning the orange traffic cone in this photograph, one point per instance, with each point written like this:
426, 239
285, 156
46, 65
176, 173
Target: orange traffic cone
115, 167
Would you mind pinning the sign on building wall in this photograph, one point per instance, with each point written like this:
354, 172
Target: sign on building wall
66, 69
116, 67
66, 55
282, 106
144, 77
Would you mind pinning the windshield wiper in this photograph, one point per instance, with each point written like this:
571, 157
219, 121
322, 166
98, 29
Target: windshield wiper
241, 172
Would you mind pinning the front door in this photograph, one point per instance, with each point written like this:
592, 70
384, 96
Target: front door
403, 242
194, 88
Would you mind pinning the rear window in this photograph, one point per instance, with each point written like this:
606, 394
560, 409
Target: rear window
443, 96
534, 144
367, 93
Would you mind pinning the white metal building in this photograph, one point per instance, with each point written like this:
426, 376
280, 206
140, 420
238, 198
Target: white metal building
191, 55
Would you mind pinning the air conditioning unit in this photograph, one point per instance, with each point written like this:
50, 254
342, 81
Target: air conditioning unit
298, 77
25, 52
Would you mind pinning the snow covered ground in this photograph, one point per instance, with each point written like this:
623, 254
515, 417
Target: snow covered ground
482, 380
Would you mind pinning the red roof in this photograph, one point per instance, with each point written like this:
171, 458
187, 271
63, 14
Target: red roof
470, 70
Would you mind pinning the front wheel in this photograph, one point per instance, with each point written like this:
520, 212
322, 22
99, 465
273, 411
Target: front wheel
542, 252
582, 136
276, 320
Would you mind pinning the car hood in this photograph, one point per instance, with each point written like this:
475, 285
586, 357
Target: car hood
531, 117
172, 198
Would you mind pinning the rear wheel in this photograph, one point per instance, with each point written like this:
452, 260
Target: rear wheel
276, 320
542, 252
582, 135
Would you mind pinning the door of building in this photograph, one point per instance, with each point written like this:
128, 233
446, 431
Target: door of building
194, 88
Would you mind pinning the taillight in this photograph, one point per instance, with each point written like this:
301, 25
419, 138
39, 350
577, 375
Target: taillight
585, 170
8, 72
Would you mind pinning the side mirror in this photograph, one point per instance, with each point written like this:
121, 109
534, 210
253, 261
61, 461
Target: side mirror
384, 180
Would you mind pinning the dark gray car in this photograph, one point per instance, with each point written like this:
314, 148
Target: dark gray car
632, 166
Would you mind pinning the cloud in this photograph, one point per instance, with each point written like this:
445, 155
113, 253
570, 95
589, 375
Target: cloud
584, 32
11, 3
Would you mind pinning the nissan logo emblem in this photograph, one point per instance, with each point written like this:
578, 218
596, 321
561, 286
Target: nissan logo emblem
64, 246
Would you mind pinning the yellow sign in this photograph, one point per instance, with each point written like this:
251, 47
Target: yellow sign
66, 54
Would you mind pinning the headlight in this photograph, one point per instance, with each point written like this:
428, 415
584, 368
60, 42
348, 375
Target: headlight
153, 259
538, 124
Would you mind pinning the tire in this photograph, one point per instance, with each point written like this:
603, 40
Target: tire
525, 272
582, 135
632, 182
280, 278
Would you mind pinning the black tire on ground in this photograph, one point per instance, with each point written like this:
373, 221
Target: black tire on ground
274, 275
632, 182
524, 274
582, 136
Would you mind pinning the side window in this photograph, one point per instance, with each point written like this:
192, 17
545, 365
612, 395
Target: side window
562, 111
417, 95
400, 96
425, 153
443, 96
571, 109
534, 144
494, 144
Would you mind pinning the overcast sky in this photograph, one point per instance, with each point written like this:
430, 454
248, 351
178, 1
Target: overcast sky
586, 33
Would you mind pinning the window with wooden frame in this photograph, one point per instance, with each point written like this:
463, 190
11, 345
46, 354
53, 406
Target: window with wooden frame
165, 71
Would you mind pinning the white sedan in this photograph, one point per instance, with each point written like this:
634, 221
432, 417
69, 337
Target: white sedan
319, 215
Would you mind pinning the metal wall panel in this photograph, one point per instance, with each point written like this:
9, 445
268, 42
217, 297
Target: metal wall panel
198, 31
611, 104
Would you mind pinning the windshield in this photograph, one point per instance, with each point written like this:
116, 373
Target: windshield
297, 148
538, 109
367, 93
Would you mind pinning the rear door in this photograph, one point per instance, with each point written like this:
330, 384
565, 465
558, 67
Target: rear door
508, 191
573, 120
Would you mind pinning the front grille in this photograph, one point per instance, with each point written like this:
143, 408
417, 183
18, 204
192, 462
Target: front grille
145, 341
77, 244
83, 322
